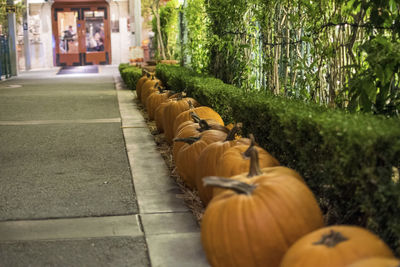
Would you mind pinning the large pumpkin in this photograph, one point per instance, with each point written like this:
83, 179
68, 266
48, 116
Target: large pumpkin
377, 262
236, 160
207, 163
255, 170
203, 112
188, 154
171, 110
253, 222
338, 245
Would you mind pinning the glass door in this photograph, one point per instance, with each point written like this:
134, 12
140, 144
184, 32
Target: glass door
96, 38
67, 39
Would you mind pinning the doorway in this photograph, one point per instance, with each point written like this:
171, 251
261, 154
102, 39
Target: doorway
81, 34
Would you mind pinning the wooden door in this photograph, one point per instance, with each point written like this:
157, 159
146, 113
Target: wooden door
81, 34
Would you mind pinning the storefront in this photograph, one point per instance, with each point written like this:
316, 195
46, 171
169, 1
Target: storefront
73, 33
82, 33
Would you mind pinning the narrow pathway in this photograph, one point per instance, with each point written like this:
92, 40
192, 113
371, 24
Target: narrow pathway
76, 190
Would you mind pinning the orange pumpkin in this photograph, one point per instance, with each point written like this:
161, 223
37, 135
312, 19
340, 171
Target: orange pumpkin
171, 110
255, 170
202, 125
207, 163
159, 115
146, 86
203, 112
193, 129
236, 160
253, 222
188, 154
338, 245
377, 262
146, 93
140, 83
155, 99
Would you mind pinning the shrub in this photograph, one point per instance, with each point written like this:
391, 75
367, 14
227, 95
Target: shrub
130, 75
350, 161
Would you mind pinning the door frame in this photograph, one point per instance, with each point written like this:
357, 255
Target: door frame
84, 57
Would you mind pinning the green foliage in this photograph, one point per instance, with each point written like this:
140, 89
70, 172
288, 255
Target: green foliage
197, 41
169, 28
130, 75
376, 85
20, 9
348, 160
235, 42
315, 51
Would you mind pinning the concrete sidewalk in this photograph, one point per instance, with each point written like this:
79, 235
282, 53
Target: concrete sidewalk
82, 183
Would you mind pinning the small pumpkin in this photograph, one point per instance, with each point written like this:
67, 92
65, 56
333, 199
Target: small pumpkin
203, 112
171, 110
253, 222
188, 154
193, 129
207, 163
201, 124
376, 262
146, 86
236, 160
146, 93
159, 115
338, 245
140, 83
155, 99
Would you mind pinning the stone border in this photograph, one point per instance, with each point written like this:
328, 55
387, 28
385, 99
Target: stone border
171, 231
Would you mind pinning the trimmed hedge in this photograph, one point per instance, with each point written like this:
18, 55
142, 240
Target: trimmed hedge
348, 160
130, 75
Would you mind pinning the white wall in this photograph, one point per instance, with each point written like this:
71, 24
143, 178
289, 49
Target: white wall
120, 41
41, 36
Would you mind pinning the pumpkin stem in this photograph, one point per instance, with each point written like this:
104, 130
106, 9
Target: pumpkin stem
232, 133
254, 163
204, 126
190, 104
148, 75
195, 117
188, 140
332, 239
246, 154
180, 96
226, 183
160, 89
170, 93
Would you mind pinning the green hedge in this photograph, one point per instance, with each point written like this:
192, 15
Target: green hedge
346, 159
130, 75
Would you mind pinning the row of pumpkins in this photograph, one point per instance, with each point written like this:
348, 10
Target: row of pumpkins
258, 213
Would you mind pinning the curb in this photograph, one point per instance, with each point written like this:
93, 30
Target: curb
171, 231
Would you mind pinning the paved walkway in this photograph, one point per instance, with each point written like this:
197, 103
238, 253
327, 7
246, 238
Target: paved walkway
81, 181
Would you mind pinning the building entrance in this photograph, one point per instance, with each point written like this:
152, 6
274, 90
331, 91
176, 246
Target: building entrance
81, 34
